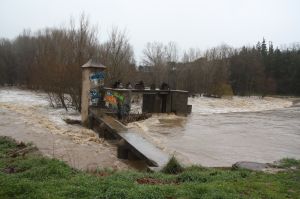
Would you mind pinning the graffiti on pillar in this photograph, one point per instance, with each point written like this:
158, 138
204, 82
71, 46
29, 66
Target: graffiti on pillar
94, 97
97, 78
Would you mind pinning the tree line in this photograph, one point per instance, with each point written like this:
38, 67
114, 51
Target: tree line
261, 69
50, 60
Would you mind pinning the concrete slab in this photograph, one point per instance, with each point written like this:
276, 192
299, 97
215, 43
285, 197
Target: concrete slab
136, 143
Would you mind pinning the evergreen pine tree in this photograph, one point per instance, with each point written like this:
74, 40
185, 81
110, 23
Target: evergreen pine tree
264, 48
271, 48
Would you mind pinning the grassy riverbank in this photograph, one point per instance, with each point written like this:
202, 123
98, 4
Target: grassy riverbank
24, 173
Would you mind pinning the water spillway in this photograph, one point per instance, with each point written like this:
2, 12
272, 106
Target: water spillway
132, 141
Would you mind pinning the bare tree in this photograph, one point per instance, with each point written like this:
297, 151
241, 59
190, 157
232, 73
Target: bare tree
156, 56
191, 55
172, 52
118, 55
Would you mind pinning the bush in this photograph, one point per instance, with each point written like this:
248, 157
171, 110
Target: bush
223, 90
172, 167
289, 162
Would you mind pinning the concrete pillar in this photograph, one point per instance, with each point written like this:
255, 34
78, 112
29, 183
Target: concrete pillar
88, 69
85, 95
122, 150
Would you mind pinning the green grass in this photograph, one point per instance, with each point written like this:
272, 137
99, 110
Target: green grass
289, 163
33, 176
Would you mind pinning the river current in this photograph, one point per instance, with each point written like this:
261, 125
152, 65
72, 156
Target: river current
220, 132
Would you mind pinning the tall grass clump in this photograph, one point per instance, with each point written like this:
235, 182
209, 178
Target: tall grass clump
173, 166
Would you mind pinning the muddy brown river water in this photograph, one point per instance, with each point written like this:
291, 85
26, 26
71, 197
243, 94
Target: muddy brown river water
221, 139
26, 116
219, 132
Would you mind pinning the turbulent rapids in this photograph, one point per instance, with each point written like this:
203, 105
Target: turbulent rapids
26, 116
220, 132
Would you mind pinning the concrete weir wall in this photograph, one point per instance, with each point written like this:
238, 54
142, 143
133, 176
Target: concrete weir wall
166, 101
179, 103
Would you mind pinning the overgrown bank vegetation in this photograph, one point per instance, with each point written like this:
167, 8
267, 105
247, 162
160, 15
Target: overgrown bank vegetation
26, 174
50, 60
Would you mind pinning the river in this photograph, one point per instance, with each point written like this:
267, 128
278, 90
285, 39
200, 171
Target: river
220, 132
26, 116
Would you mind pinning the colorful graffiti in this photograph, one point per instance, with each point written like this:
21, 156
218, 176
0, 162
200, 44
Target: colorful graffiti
117, 102
97, 78
110, 99
114, 97
119, 96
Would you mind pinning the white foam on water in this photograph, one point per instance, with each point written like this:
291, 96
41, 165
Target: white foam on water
136, 103
35, 110
23, 97
155, 119
149, 127
205, 105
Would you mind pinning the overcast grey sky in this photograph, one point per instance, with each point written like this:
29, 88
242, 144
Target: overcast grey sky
189, 23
